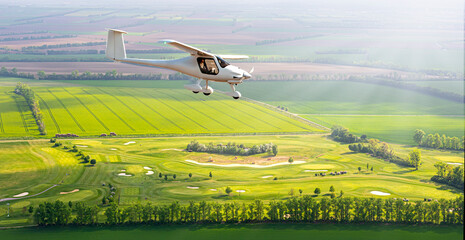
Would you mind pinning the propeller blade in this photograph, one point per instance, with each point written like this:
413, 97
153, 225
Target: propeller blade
251, 70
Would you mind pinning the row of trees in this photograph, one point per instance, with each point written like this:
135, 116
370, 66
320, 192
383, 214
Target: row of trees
4, 72
385, 151
437, 141
26, 91
232, 148
449, 175
295, 209
341, 134
34, 38
63, 45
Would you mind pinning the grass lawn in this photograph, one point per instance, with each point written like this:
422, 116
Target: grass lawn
35, 166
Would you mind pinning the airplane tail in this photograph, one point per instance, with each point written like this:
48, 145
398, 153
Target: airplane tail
115, 45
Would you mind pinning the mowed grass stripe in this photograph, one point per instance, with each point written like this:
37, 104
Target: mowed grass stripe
88, 123
101, 111
235, 106
20, 113
153, 110
67, 110
168, 110
61, 115
278, 116
198, 109
174, 109
85, 106
130, 108
211, 104
44, 104
1, 123
111, 110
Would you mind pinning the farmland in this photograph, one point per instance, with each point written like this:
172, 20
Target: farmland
165, 110
36, 166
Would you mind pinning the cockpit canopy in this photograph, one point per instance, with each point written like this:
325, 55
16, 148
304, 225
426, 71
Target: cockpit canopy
222, 62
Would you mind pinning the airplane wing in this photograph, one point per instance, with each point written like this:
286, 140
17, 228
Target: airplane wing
233, 57
186, 48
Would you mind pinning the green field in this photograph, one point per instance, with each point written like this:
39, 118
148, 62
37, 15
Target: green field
233, 232
383, 112
398, 129
35, 166
90, 111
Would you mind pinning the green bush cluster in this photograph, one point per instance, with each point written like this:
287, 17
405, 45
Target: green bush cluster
232, 148
25, 91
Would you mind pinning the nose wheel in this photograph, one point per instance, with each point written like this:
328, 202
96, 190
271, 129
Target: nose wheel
235, 94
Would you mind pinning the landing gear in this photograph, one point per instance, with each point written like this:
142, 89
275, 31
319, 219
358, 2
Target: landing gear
195, 88
195, 92
207, 90
235, 94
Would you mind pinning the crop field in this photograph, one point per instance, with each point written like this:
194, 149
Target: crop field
390, 114
35, 166
90, 111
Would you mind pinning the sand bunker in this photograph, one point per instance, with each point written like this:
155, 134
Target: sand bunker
147, 168
75, 190
192, 187
83, 146
124, 175
380, 193
245, 165
239, 191
149, 173
113, 149
321, 170
455, 163
213, 190
21, 194
172, 149
129, 143
269, 176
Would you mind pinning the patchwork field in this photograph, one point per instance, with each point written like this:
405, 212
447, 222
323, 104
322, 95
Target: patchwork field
34, 166
90, 111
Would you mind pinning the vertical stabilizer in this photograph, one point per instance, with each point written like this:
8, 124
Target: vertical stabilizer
115, 45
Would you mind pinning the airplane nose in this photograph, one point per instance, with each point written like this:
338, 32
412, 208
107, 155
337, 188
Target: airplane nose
247, 75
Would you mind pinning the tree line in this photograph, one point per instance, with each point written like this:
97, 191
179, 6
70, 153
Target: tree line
447, 174
295, 209
34, 38
62, 45
437, 141
232, 148
14, 73
373, 146
26, 91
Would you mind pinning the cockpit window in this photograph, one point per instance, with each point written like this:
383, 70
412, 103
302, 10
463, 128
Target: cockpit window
222, 62
207, 66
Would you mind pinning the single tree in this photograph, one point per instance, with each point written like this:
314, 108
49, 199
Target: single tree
190, 175
418, 137
331, 189
228, 190
93, 161
70, 204
31, 209
359, 169
300, 191
367, 166
166, 177
317, 191
160, 175
415, 158
275, 150
174, 176
210, 175
372, 168
291, 160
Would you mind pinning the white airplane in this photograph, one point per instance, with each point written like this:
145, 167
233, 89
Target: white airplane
201, 64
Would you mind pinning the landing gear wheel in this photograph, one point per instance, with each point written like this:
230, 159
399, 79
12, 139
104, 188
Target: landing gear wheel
236, 97
195, 92
206, 94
